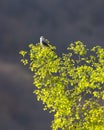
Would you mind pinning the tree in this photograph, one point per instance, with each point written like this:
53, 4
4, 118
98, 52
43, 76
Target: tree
71, 86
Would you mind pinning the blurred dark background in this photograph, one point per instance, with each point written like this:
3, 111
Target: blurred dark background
23, 22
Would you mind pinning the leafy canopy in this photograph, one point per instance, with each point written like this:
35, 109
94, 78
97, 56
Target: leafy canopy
70, 86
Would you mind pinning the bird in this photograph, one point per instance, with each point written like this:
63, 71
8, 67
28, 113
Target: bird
43, 41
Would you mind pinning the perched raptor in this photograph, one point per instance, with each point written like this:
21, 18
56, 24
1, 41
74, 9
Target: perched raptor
43, 41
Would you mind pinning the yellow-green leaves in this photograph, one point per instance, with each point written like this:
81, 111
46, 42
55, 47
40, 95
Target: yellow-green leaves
78, 48
71, 86
24, 61
23, 53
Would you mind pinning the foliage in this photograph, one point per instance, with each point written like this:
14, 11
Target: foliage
70, 86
